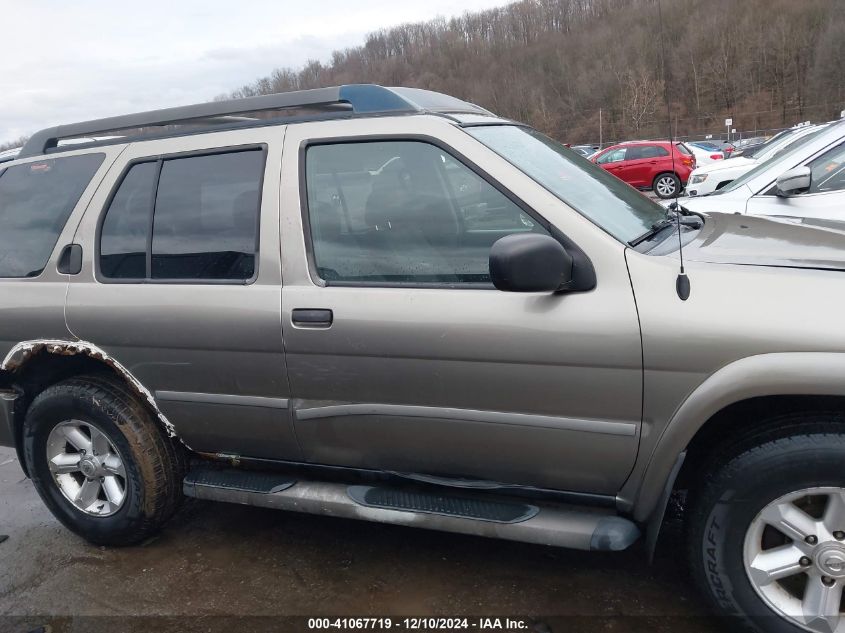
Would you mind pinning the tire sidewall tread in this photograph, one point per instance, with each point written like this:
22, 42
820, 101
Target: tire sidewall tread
677, 185
728, 499
154, 463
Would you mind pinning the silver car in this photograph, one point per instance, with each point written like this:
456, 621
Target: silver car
395, 306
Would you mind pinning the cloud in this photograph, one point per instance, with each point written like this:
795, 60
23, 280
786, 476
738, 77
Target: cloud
103, 58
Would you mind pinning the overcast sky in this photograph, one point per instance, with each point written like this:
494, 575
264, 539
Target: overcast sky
72, 61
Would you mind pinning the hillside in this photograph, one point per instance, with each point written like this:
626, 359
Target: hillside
557, 63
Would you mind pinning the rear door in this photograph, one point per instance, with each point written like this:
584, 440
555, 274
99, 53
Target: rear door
403, 357
182, 285
636, 169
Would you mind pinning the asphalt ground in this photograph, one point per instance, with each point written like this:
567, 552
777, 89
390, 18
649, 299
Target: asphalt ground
236, 568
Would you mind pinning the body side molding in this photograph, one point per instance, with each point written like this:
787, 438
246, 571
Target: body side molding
222, 398
491, 417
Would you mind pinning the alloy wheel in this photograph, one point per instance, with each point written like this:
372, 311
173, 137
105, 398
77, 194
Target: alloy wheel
794, 555
665, 186
86, 467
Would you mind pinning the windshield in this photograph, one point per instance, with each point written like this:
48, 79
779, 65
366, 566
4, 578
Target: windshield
599, 196
777, 144
778, 158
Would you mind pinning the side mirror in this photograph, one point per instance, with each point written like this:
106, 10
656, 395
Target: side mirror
528, 262
794, 181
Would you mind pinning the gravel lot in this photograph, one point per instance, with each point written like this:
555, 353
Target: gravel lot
225, 567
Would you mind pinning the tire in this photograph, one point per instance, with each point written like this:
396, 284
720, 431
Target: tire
153, 465
726, 521
666, 185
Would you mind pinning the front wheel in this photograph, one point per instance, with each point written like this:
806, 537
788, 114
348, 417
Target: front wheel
666, 186
767, 535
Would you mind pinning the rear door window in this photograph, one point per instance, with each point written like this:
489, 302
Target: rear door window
206, 217
185, 218
653, 151
36, 200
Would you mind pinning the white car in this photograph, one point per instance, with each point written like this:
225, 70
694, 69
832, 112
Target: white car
703, 155
709, 178
9, 154
806, 180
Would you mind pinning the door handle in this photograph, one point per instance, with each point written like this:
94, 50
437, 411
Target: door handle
311, 317
70, 261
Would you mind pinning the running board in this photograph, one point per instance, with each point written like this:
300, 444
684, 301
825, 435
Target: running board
475, 514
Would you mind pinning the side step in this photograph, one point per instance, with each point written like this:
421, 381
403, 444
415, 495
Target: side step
464, 513
428, 502
232, 479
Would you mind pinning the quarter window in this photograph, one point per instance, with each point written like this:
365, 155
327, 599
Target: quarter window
404, 212
189, 218
36, 200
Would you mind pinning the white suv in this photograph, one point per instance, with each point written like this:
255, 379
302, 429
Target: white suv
806, 181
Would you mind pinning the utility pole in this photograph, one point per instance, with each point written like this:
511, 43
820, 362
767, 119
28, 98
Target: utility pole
600, 131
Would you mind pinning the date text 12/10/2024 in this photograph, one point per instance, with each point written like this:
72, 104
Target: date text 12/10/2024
420, 624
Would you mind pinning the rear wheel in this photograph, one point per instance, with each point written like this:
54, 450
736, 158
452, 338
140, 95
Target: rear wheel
100, 462
666, 185
767, 534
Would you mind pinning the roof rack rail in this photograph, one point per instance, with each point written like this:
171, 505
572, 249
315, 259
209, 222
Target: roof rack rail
354, 98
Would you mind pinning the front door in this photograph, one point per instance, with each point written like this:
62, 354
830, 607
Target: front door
403, 357
182, 286
825, 199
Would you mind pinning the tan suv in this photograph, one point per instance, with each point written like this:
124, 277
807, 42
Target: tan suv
391, 305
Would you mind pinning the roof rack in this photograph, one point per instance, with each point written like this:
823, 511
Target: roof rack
355, 98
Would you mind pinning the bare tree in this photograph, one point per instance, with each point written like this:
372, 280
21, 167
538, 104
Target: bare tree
555, 63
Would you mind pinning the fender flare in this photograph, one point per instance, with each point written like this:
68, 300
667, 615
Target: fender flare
24, 351
775, 374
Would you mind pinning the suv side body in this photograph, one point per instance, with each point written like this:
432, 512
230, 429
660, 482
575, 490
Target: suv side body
318, 296
174, 335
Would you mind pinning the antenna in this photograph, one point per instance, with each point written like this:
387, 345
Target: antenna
682, 285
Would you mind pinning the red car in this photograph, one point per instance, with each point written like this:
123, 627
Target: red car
648, 165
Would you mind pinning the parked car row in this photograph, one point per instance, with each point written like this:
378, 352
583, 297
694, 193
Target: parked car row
701, 167
804, 177
709, 178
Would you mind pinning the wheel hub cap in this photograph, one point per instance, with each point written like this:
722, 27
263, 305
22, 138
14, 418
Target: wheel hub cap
831, 561
794, 560
89, 467
86, 467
